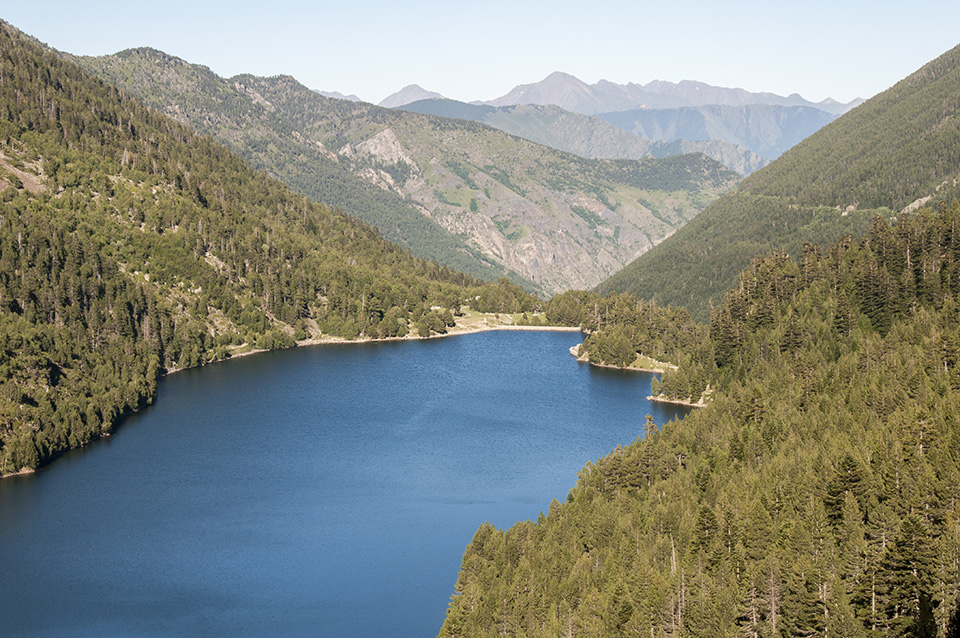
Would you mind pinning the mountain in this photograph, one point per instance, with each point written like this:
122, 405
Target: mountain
407, 94
572, 94
560, 89
251, 126
586, 135
339, 96
767, 130
131, 246
558, 220
887, 156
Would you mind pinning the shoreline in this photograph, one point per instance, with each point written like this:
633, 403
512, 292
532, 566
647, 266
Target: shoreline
573, 353
326, 340
676, 402
453, 332
658, 399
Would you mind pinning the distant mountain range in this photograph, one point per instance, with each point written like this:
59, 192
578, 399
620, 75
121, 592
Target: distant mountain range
340, 96
573, 94
742, 130
742, 138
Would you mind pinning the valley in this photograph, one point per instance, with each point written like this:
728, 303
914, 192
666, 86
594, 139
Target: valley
157, 217
553, 220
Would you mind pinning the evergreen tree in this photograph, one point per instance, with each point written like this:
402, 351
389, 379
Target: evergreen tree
908, 577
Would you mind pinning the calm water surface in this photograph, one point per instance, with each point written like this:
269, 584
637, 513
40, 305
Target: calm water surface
323, 491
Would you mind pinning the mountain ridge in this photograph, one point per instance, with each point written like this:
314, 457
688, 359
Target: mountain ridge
573, 94
211, 102
558, 220
743, 138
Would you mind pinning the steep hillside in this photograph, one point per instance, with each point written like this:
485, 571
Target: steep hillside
816, 494
586, 135
572, 94
885, 157
251, 127
899, 147
764, 129
558, 220
130, 245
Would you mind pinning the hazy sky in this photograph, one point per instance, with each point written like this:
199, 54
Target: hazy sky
480, 50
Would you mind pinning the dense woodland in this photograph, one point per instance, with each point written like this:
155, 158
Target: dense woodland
130, 246
817, 494
887, 154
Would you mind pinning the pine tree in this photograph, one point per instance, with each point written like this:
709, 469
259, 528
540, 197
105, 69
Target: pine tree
848, 478
908, 570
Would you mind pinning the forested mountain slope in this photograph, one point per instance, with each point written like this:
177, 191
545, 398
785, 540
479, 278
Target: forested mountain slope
885, 156
271, 141
556, 219
130, 246
818, 492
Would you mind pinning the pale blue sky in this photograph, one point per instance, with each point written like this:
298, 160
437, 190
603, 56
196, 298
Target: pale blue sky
480, 50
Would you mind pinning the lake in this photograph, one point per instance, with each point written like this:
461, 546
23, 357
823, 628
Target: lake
319, 491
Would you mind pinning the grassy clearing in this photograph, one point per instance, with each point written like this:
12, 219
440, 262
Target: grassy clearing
644, 362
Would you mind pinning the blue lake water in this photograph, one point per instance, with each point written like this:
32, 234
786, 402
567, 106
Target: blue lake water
321, 491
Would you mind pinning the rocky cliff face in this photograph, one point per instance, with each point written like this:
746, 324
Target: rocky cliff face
496, 192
